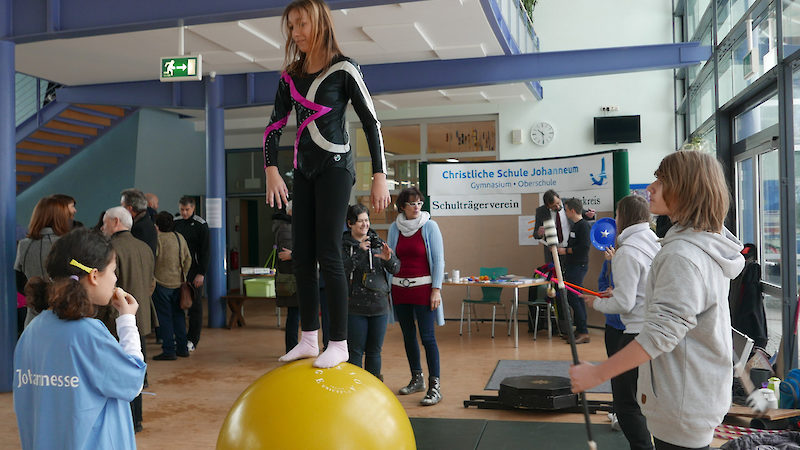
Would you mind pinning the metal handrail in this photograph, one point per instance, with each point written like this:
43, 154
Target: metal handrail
29, 95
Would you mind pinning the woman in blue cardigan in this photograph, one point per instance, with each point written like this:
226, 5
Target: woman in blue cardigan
417, 288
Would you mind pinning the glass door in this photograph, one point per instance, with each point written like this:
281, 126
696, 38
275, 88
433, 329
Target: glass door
758, 222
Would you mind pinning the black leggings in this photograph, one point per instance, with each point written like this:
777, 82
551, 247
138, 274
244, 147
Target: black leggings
318, 221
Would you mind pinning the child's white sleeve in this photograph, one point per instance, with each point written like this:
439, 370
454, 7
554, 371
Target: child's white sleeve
129, 336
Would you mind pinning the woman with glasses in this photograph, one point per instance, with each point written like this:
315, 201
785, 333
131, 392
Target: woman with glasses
416, 288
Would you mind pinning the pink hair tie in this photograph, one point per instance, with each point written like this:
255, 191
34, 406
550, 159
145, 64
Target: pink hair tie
74, 277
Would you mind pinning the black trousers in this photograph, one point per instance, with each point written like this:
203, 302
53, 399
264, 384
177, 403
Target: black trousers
195, 313
318, 221
661, 445
136, 404
623, 387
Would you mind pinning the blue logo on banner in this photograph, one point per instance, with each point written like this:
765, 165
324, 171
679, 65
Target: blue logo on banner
601, 179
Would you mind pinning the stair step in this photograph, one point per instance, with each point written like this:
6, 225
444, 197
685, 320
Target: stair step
29, 168
109, 110
55, 137
28, 145
86, 118
52, 160
24, 178
64, 126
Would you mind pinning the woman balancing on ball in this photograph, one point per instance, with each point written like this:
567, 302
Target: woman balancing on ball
319, 82
685, 389
73, 382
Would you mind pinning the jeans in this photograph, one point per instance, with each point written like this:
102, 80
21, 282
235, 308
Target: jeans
318, 217
623, 387
365, 337
171, 319
574, 274
425, 319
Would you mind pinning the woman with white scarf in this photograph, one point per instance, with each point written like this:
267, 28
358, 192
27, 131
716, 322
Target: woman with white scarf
416, 288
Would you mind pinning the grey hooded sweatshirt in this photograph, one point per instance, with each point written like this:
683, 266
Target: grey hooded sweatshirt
637, 245
685, 390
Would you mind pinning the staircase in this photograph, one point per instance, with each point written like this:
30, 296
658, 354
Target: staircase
56, 133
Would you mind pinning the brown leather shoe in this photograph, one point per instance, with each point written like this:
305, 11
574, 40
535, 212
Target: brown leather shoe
582, 339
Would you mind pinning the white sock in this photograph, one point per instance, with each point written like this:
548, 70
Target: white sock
306, 348
335, 354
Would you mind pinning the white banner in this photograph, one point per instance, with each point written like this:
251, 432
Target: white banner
477, 205
585, 177
576, 173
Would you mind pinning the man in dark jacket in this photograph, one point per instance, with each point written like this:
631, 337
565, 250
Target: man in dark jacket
143, 228
195, 230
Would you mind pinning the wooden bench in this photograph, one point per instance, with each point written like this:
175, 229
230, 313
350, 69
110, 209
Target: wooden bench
236, 305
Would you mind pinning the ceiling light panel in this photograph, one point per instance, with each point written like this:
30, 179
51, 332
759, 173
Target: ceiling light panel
404, 37
237, 39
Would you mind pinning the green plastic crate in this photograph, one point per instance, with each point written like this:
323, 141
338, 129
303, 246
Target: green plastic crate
259, 287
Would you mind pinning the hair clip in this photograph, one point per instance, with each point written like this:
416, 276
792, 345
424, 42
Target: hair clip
81, 266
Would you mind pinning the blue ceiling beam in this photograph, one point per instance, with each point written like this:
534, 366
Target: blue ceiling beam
258, 89
40, 20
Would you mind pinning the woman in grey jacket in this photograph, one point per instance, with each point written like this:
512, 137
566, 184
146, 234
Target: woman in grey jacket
50, 220
684, 389
637, 245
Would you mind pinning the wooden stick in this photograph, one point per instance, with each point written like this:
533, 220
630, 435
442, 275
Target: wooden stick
551, 237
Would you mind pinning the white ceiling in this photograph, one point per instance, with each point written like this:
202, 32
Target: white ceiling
423, 30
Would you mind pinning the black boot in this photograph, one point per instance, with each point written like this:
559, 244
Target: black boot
434, 394
417, 383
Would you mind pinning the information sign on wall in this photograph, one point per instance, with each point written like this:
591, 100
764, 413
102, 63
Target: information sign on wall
587, 177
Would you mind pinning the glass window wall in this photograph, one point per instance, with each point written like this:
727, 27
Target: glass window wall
791, 26
758, 118
728, 13
694, 13
701, 103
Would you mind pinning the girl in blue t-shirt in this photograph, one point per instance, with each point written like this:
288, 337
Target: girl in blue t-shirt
72, 380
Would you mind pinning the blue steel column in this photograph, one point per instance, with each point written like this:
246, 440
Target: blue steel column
8, 204
216, 284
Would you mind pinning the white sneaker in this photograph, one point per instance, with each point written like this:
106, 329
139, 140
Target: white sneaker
614, 422
190, 346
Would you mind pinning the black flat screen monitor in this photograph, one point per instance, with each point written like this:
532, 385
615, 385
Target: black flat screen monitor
617, 129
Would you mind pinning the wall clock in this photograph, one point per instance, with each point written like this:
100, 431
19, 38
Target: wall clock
542, 133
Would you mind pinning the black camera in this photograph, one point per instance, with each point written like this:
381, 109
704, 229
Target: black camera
375, 241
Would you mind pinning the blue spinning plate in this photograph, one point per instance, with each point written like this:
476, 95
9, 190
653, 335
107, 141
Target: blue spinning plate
603, 233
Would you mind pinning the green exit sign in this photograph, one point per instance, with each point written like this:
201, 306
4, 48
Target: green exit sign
181, 68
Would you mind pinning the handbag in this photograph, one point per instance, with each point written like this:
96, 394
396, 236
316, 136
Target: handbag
187, 293
285, 284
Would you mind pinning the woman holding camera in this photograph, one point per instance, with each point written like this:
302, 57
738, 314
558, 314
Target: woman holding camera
367, 258
416, 288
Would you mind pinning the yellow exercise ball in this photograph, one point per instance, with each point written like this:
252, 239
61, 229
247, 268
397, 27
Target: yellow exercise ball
298, 406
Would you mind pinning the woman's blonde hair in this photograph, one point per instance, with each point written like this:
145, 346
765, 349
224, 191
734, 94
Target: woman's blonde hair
695, 190
323, 37
632, 209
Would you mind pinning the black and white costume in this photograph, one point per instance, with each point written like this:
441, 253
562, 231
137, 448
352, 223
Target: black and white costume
323, 177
